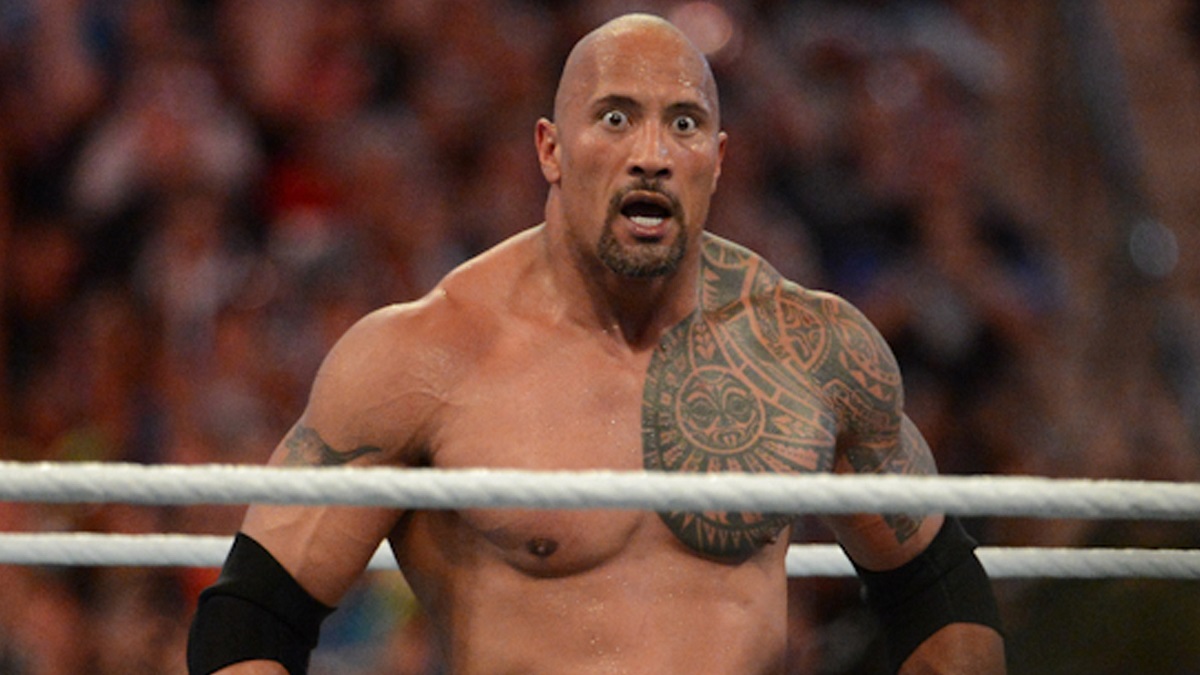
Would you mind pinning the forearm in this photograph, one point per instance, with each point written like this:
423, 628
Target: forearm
958, 649
937, 612
255, 615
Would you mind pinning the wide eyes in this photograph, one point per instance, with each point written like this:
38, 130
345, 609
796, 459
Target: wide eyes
616, 120
685, 124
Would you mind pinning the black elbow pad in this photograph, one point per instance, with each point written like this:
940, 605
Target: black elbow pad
945, 584
256, 610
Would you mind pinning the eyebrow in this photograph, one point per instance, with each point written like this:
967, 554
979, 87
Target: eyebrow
691, 108
615, 101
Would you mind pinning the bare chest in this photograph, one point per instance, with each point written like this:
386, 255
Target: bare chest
545, 405
709, 399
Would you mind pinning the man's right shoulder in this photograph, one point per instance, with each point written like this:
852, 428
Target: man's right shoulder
442, 324
443, 334
389, 375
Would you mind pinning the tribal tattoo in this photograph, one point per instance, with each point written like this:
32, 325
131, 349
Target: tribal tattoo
762, 379
305, 447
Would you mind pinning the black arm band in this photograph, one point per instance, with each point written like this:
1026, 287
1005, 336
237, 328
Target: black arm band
945, 584
256, 610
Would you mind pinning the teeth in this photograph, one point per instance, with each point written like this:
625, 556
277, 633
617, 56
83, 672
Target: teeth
646, 221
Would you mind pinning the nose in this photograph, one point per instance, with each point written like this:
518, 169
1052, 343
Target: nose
650, 156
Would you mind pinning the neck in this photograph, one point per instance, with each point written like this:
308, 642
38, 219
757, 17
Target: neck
633, 311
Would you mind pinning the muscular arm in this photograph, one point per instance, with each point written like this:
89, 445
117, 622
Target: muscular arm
831, 390
875, 436
882, 542
365, 409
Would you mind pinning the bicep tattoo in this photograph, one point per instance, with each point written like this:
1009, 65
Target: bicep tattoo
911, 456
863, 382
305, 447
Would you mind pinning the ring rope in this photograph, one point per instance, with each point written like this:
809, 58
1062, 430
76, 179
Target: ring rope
803, 560
659, 491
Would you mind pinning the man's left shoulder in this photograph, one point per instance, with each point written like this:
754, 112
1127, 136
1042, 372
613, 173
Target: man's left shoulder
734, 276
822, 332
731, 275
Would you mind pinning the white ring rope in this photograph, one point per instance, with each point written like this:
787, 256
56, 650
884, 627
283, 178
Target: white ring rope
803, 560
431, 488
658, 491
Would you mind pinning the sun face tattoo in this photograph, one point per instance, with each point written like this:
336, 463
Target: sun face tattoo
718, 399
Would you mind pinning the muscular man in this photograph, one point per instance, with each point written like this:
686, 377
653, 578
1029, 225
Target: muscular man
616, 335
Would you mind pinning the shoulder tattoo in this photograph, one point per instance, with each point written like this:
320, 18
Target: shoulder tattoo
765, 378
305, 447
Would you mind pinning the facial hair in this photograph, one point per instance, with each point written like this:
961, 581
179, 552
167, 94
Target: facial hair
642, 260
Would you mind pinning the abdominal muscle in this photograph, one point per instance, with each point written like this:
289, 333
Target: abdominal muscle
618, 595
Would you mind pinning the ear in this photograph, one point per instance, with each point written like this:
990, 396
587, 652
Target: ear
546, 138
721, 138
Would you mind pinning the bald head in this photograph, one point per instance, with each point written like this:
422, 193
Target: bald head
650, 38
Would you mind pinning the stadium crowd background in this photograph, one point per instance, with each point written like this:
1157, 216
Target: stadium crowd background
198, 197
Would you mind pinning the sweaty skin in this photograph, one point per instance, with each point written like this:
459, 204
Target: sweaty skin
616, 335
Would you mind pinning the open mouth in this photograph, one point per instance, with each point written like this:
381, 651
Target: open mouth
648, 211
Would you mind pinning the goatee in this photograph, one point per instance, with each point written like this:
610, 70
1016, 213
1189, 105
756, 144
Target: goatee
643, 259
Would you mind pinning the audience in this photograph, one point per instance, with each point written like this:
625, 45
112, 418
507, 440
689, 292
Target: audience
197, 198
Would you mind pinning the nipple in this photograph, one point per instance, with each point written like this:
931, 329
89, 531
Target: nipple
540, 547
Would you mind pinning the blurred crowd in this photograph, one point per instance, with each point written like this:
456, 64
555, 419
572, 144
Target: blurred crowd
197, 198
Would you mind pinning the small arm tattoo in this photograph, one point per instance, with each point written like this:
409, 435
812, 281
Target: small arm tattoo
305, 447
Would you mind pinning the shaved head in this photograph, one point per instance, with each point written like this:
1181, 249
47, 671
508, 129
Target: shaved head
624, 35
634, 151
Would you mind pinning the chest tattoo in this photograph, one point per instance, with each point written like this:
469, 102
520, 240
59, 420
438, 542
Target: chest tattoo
731, 391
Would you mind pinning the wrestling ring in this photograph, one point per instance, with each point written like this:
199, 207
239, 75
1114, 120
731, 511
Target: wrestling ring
1012, 496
